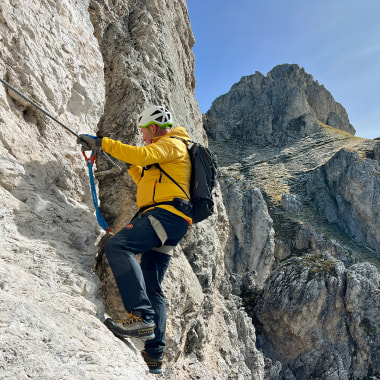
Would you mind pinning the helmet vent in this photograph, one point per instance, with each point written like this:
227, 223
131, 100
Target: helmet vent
158, 112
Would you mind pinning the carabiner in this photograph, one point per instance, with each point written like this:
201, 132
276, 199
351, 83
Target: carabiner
90, 160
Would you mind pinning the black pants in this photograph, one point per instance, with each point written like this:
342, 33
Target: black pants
140, 285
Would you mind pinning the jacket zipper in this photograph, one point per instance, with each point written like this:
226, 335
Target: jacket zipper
155, 185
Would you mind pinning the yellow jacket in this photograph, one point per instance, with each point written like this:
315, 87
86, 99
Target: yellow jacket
154, 186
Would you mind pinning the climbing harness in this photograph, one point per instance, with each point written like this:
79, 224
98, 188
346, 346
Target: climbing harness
89, 160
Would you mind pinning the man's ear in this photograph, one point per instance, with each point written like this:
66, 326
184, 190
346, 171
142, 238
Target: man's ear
156, 129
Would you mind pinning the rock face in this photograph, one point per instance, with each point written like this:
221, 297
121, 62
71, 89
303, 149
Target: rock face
50, 309
303, 207
294, 207
320, 325
152, 46
345, 190
144, 46
137, 53
250, 246
276, 109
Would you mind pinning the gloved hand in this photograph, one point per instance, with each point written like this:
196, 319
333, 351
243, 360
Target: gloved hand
90, 142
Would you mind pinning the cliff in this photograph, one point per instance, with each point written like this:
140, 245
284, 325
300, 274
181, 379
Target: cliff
274, 285
95, 66
275, 109
303, 203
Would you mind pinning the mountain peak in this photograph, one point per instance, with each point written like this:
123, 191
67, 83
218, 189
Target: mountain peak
282, 107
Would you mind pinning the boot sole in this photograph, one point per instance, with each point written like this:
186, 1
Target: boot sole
155, 371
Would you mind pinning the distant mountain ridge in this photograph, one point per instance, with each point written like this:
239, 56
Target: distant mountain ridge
303, 201
275, 109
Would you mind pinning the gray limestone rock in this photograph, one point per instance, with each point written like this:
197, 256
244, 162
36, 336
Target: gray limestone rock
346, 190
319, 319
50, 318
313, 189
250, 244
274, 110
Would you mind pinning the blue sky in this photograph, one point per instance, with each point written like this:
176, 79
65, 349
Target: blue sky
336, 41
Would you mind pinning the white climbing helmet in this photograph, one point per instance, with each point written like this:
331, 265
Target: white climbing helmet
155, 115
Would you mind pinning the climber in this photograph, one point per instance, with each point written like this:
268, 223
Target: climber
162, 221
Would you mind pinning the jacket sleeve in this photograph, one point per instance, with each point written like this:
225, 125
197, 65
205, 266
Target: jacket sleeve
159, 152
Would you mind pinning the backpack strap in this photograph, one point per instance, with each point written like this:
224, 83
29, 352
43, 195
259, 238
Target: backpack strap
183, 140
171, 178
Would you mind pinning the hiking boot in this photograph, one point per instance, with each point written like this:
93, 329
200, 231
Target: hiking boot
154, 365
134, 326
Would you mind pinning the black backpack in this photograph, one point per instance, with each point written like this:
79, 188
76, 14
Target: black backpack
203, 179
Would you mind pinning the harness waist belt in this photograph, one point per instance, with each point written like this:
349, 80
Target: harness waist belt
182, 205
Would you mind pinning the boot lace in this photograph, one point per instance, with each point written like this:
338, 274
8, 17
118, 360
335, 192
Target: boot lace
131, 318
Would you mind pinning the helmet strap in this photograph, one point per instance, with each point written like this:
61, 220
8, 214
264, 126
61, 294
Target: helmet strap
159, 131
153, 136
